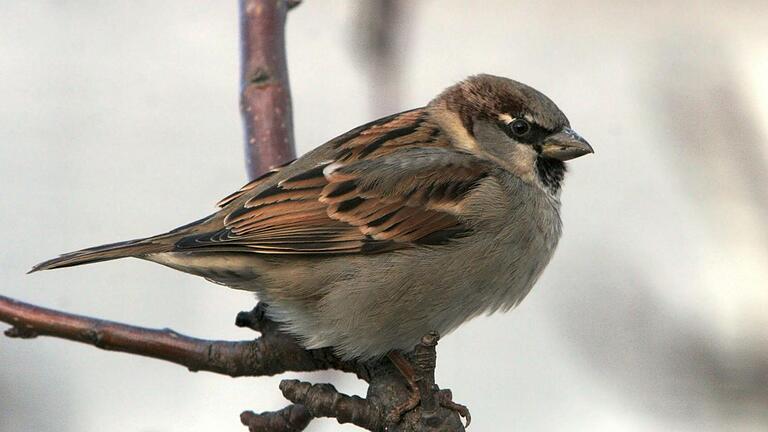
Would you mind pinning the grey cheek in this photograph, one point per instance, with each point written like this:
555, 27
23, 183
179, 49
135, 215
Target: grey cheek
492, 139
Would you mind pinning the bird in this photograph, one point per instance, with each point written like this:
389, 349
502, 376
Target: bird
412, 223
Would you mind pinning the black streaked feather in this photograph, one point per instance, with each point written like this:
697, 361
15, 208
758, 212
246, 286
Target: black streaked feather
343, 188
237, 213
394, 225
344, 154
391, 135
356, 132
350, 204
270, 191
308, 174
381, 220
197, 240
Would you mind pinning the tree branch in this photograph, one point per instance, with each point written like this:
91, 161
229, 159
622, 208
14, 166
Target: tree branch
271, 354
265, 99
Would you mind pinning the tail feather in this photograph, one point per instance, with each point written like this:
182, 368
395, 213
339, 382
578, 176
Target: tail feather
130, 248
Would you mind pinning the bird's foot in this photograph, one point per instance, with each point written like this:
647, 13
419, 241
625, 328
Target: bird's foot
420, 378
414, 398
445, 399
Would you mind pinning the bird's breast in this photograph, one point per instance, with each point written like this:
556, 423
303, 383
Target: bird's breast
522, 229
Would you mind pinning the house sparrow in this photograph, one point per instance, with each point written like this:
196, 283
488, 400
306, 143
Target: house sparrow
412, 223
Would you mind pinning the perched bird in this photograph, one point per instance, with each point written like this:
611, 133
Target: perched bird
412, 223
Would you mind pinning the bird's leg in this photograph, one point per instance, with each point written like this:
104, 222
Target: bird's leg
409, 373
432, 397
420, 376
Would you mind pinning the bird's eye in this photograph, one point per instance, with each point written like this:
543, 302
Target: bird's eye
519, 127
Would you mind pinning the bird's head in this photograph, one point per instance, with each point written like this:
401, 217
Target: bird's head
512, 124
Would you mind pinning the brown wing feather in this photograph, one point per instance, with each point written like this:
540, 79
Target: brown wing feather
253, 184
367, 200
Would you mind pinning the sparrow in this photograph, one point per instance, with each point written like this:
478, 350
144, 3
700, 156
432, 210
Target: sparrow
412, 223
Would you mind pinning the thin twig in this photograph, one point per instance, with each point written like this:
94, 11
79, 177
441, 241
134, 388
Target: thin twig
265, 93
293, 418
323, 400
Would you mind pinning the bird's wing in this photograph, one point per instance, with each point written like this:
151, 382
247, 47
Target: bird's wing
391, 184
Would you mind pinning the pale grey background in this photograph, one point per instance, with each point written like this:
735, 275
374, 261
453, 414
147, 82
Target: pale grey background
120, 119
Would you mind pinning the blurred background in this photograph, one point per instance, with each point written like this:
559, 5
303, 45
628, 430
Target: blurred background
120, 120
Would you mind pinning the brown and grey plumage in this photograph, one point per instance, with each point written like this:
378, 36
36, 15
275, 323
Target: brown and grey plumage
415, 222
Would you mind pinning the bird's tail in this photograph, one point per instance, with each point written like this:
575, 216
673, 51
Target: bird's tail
130, 248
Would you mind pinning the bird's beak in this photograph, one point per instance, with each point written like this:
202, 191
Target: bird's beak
565, 145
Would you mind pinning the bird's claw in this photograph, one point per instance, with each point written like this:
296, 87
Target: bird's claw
445, 399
